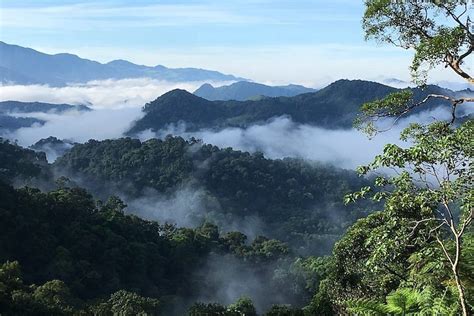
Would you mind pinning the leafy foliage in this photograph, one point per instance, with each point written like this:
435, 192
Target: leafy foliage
404, 301
19, 164
438, 31
97, 250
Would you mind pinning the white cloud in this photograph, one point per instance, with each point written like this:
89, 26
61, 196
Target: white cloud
78, 126
281, 137
98, 94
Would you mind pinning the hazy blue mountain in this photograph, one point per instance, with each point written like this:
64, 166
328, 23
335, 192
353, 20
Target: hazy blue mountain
8, 76
446, 84
31, 107
396, 83
11, 123
452, 85
334, 106
10, 113
245, 90
25, 66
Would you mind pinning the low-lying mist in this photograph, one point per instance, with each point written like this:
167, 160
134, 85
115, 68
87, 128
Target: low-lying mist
190, 206
99, 94
227, 279
76, 126
281, 137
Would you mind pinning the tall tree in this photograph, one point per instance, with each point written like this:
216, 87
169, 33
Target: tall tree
435, 171
440, 34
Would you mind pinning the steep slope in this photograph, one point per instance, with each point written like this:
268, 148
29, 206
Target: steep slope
244, 90
25, 66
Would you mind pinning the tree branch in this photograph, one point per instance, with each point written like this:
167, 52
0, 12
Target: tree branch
458, 21
444, 250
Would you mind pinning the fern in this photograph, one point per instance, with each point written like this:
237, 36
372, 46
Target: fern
405, 301
366, 307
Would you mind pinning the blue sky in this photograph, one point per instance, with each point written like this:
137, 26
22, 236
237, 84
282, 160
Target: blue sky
275, 41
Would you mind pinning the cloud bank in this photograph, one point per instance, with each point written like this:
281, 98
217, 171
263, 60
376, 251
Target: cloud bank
99, 94
77, 126
281, 137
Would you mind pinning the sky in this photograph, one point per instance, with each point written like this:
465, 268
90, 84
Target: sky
311, 42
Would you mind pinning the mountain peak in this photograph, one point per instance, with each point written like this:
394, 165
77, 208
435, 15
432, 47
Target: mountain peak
247, 90
178, 97
356, 87
120, 62
173, 107
178, 93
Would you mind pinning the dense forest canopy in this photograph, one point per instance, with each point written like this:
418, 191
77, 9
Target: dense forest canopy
96, 250
296, 201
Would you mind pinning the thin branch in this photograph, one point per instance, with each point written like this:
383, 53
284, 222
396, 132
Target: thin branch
466, 223
438, 227
457, 19
417, 223
445, 251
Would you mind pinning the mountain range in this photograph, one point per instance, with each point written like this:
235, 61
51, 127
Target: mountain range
20, 65
334, 106
245, 90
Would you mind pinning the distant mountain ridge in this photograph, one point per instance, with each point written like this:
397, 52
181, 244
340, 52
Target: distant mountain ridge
332, 107
22, 65
10, 113
245, 90
10, 123
31, 107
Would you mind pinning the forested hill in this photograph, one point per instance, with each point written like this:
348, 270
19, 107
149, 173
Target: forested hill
294, 200
335, 106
